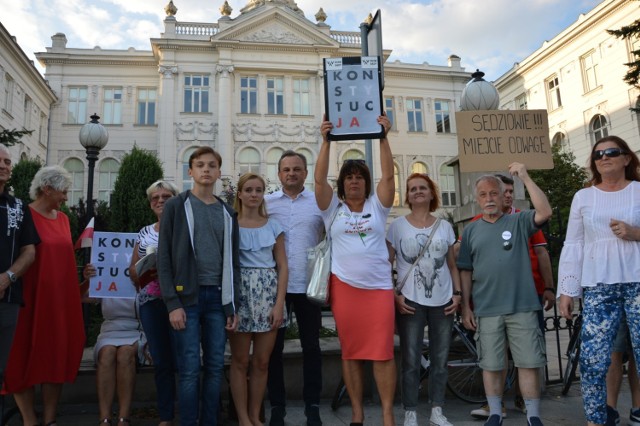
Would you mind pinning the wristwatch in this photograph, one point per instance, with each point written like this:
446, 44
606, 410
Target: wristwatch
12, 277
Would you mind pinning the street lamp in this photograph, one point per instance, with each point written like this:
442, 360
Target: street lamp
479, 94
93, 137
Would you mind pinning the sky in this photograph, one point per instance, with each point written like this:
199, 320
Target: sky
490, 35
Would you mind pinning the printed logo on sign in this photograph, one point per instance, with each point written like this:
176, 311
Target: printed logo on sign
334, 64
369, 62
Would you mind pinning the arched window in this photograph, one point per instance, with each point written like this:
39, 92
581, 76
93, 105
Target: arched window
273, 156
447, 186
397, 198
249, 161
419, 167
107, 174
76, 168
560, 139
599, 127
308, 183
352, 154
187, 183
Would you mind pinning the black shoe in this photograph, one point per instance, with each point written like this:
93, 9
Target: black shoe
613, 418
277, 416
313, 415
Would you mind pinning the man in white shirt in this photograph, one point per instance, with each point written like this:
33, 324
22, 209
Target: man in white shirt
295, 208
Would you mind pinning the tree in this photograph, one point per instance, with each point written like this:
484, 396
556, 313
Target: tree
560, 184
631, 32
11, 137
21, 176
129, 204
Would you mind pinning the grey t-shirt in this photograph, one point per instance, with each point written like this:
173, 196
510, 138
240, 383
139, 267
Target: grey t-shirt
498, 256
208, 236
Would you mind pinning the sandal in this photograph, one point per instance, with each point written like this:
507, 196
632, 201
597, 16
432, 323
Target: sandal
106, 421
52, 423
124, 420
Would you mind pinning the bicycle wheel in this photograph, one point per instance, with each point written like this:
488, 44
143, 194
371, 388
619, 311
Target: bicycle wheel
573, 357
340, 392
465, 374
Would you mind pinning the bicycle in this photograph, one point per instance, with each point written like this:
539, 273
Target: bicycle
573, 355
465, 374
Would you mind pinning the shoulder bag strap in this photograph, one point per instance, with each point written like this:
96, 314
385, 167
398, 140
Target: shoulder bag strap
422, 252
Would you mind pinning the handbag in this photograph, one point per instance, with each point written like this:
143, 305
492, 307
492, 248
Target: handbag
415, 262
319, 268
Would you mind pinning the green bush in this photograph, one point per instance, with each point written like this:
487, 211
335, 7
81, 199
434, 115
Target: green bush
21, 176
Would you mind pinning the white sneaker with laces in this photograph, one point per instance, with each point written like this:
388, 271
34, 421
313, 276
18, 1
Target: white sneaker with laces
410, 418
437, 418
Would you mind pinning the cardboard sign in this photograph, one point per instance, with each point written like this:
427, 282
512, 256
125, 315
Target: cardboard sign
111, 255
491, 140
353, 97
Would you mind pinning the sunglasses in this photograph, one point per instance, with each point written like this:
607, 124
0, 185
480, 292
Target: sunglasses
354, 161
609, 152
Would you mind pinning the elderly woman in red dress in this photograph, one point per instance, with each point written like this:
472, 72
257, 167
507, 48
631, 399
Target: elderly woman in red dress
49, 338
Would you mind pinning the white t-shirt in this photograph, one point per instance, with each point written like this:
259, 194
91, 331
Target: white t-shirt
592, 253
359, 254
429, 283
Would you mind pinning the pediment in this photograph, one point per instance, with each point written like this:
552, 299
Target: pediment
275, 26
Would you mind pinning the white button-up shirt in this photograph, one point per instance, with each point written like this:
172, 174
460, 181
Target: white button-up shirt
301, 221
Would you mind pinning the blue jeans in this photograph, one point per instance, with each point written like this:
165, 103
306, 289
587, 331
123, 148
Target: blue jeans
157, 328
604, 306
411, 331
205, 326
309, 319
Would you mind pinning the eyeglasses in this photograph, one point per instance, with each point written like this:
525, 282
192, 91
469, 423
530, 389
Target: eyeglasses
354, 161
609, 152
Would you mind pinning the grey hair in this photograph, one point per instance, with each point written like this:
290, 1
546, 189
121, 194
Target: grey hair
5, 148
56, 177
488, 178
161, 184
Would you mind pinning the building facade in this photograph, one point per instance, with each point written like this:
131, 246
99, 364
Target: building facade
249, 86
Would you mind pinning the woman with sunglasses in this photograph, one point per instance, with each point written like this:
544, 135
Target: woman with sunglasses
428, 293
361, 290
600, 261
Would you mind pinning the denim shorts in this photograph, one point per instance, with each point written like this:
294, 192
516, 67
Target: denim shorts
520, 332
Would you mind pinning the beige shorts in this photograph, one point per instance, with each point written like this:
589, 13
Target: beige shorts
520, 332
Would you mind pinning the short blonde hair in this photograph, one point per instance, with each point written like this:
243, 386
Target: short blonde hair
161, 184
56, 177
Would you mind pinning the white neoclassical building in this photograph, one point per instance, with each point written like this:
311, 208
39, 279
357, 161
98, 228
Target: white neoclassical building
250, 86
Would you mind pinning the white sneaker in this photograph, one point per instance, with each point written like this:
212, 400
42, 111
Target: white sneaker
483, 412
437, 418
410, 418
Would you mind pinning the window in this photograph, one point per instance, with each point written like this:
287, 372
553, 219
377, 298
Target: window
107, 174
443, 123
27, 112
77, 109
301, 102
273, 156
249, 161
419, 167
187, 183
521, 101
42, 130
391, 114
447, 186
589, 71
414, 115
553, 93
196, 93
112, 106
275, 95
599, 128
308, 183
146, 107
76, 168
8, 92
248, 95
396, 180
352, 154
559, 139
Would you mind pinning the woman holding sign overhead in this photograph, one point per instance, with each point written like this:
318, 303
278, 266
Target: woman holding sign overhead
361, 290
153, 312
49, 338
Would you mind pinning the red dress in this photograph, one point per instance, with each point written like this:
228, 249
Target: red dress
49, 339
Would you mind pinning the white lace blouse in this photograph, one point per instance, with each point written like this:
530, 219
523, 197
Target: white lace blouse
592, 254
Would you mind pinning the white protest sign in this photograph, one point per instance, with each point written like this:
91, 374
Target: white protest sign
111, 255
353, 99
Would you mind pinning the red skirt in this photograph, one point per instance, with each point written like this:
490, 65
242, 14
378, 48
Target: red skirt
364, 320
